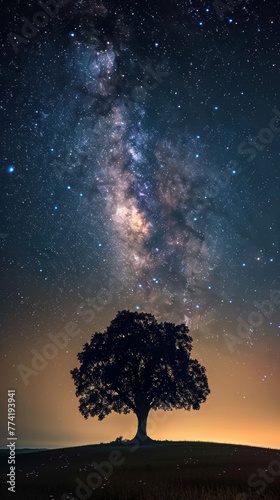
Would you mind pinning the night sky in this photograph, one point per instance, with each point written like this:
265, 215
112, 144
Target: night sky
140, 170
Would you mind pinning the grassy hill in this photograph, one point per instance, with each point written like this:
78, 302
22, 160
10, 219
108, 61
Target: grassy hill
163, 471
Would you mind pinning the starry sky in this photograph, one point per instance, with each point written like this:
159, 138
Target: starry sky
140, 170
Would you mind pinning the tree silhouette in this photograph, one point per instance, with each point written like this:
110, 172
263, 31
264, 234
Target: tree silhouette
139, 364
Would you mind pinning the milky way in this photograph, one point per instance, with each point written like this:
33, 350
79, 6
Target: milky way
136, 170
151, 186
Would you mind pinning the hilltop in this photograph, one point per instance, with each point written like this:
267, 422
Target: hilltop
163, 471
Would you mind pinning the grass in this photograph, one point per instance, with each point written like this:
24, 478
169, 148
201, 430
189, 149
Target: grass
164, 471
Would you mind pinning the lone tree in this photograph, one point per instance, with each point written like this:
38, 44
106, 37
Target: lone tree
139, 364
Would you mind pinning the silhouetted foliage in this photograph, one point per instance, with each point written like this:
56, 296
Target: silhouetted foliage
138, 364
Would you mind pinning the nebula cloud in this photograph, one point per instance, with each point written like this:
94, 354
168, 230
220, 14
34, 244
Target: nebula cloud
146, 189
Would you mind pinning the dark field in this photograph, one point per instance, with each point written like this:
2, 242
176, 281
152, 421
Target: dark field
175, 471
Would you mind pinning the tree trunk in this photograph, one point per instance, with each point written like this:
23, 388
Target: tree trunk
141, 435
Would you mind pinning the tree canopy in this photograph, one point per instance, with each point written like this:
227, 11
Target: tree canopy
138, 364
